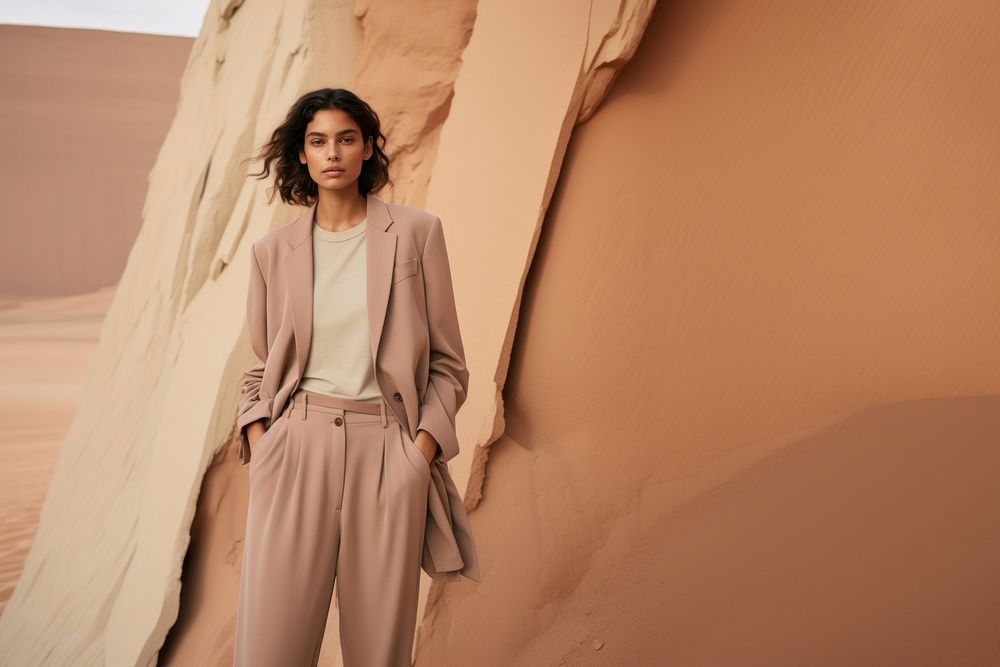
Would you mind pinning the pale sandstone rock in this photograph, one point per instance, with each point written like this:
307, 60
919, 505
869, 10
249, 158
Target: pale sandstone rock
102, 582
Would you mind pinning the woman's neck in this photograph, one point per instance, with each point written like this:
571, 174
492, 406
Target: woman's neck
336, 212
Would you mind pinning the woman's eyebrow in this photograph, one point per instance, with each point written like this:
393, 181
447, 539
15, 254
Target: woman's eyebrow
323, 134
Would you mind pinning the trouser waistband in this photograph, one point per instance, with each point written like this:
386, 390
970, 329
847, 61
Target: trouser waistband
307, 400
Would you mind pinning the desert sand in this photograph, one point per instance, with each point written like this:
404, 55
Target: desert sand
84, 114
46, 346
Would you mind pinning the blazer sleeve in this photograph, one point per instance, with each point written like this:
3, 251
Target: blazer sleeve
448, 376
251, 405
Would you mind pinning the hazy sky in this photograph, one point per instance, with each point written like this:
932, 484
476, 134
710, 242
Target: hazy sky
160, 17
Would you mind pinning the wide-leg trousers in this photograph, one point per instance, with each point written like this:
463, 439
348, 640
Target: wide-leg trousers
338, 492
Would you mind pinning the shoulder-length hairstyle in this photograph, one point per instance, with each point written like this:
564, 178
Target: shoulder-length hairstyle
291, 177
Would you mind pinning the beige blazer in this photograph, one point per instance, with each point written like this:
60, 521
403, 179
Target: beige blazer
415, 340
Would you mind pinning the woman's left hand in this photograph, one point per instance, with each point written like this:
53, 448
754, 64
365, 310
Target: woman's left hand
427, 445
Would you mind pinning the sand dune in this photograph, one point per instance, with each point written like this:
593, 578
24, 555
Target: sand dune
46, 346
84, 114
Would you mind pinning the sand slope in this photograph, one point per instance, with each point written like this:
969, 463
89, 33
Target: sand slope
84, 114
778, 218
46, 347
868, 543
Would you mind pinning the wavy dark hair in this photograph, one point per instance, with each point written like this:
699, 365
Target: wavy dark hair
291, 177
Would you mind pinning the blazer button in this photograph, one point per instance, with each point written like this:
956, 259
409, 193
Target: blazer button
397, 396
338, 421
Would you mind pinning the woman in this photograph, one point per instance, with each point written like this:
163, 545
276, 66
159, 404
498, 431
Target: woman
348, 418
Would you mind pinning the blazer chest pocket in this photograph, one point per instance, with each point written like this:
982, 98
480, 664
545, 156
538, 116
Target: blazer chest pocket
405, 270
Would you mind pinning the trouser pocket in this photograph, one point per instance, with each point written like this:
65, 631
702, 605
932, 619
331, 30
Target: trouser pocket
412, 452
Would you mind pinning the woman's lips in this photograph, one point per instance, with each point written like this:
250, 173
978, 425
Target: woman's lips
333, 172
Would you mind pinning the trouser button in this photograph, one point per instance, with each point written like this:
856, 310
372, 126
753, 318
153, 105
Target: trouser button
338, 421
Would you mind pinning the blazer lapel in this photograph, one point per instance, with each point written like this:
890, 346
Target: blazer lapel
380, 256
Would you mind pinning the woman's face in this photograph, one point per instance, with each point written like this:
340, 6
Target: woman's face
333, 150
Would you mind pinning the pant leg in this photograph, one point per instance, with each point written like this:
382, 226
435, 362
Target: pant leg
291, 544
382, 532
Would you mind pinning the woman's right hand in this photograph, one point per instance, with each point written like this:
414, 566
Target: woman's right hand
254, 431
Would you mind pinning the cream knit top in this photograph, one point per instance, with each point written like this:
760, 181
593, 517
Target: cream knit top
340, 356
